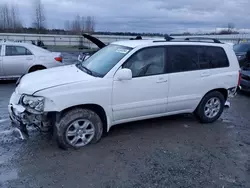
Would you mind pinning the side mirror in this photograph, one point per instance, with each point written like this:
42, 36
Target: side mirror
83, 57
123, 74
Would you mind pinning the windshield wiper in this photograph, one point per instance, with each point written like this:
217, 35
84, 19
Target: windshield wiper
87, 70
83, 68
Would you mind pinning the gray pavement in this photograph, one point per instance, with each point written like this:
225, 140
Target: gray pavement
174, 151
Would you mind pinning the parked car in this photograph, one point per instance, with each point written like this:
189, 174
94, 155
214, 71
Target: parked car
245, 79
126, 81
18, 58
245, 74
241, 50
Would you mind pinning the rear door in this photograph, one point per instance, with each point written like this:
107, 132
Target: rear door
16, 60
194, 71
1, 62
186, 81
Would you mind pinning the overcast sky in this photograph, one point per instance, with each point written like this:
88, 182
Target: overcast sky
162, 16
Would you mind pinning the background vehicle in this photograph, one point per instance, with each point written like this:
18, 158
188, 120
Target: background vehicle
18, 58
136, 80
241, 50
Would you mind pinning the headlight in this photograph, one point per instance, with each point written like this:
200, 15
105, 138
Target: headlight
33, 103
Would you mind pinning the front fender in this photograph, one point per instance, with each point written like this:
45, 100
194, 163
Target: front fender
63, 97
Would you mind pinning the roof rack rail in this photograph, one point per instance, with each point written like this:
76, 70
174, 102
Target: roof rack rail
168, 38
204, 38
136, 38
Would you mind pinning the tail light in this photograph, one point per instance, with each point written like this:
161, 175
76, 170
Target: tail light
239, 79
58, 59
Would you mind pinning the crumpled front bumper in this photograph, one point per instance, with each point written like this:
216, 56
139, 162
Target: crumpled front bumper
16, 114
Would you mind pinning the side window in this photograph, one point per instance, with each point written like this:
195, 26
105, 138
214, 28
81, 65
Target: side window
147, 62
183, 58
16, 51
212, 57
204, 59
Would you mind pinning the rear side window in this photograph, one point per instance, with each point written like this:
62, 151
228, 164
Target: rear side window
183, 58
16, 51
190, 58
212, 57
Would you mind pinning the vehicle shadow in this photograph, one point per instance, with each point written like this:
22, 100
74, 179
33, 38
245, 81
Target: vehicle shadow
168, 122
244, 93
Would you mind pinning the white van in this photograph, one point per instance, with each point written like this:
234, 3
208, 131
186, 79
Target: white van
127, 81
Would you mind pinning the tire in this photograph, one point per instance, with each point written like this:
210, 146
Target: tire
66, 127
208, 115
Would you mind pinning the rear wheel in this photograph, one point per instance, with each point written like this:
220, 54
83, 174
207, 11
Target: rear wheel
78, 128
210, 107
36, 68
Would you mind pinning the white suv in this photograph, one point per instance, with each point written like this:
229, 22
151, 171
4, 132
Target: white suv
123, 82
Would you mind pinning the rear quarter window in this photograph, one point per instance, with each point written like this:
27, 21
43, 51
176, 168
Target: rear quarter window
194, 57
212, 57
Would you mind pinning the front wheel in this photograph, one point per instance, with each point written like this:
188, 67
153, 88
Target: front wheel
210, 107
78, 128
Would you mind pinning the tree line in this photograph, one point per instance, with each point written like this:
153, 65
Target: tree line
11, 22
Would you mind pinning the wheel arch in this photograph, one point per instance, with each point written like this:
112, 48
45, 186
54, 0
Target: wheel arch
36, 67
94, 107
223, 91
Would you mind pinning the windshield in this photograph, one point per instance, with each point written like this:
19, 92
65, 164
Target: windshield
105, 59
241, 47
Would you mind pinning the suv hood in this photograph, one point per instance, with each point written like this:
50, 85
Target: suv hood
52, 77
96, 41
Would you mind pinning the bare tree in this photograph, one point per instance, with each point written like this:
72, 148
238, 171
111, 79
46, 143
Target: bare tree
80, 24
1, 17
230, 27
15, 17
93, 23
76, 26
67, 25
39, 19
9, 17
89, 24
6, 16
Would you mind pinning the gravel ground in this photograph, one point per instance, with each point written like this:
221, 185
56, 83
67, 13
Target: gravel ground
174, 151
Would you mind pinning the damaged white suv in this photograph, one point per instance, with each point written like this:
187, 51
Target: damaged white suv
126, 81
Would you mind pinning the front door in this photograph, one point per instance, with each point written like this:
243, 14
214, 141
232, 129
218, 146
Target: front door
16, 61
146, 94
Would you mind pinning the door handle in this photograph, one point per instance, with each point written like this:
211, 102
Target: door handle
29, 58
205, 74
161, 80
